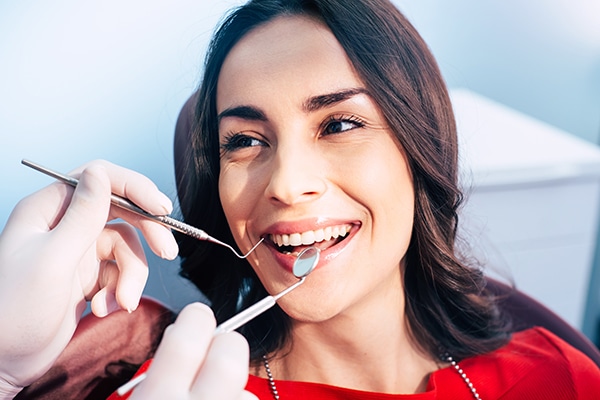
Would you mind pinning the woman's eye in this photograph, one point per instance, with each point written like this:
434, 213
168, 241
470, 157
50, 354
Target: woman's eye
338, 125
240, 141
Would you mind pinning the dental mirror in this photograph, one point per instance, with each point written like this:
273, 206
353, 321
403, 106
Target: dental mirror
305, 262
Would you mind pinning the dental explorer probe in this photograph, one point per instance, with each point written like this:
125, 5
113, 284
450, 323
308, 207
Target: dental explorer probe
128, 205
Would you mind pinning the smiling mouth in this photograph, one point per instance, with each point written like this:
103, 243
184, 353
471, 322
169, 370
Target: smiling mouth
322, 238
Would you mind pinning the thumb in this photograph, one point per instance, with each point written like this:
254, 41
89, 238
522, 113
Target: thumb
87, 213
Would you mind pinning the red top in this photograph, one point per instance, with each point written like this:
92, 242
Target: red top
535, 364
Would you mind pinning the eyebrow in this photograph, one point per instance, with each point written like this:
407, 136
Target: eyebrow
243, 112
327, 100
311, 104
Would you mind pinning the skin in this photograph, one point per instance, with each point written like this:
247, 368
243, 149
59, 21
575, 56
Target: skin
292, 162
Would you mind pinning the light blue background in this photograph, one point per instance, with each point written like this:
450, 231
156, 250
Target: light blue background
81, 80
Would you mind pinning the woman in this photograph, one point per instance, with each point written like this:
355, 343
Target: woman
327, 123
334, 115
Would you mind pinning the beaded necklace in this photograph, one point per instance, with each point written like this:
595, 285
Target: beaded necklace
446, 358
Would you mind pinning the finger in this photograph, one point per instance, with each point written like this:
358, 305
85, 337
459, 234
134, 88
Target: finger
225, 370
120, 242
160, 239
104, 301
143, 192
44, 209
136, 187
87, 213
180, 353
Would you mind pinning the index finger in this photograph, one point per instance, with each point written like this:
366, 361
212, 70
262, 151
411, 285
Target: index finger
143, 193
133, 186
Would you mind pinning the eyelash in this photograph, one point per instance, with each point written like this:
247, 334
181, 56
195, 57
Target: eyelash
352, 119
234, 141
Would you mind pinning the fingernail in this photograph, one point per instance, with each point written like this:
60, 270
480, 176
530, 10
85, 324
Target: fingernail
169, 253
166, 204
132, 309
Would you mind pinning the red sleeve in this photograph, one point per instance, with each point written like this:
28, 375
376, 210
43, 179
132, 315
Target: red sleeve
584, 372
537, 364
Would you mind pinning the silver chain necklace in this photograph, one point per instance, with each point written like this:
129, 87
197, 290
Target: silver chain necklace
447, 358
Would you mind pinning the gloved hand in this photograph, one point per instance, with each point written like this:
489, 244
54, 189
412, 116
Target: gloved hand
57, 252
191, 364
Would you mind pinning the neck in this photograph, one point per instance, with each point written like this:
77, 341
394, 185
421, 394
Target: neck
365, 348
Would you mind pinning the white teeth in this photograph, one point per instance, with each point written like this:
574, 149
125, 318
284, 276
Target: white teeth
319, 235
335, 232
295, 239
310, 237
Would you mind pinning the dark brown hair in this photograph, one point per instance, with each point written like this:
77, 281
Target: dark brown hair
447, 309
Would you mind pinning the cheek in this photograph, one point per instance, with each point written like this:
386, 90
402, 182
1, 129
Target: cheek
235, 194
384, 183
381, 177
393, 220
399, 194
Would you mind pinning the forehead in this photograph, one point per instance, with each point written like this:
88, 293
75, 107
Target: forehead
286, 57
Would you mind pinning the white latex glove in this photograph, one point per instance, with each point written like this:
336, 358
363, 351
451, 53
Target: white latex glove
191, 364
57, 252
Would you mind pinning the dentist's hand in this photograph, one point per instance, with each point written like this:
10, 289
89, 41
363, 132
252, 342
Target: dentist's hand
191, 364
57, 252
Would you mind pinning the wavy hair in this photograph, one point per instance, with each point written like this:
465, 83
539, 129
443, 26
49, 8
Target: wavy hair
447, 308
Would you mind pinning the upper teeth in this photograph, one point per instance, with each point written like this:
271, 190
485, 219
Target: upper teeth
310, 237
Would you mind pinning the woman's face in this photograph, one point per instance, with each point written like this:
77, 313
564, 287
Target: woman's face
307, 159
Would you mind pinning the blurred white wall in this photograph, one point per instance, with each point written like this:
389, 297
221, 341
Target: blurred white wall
541, 57
99, 79
85, 80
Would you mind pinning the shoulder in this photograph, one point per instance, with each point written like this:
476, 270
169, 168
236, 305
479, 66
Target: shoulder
538, 364
540, 345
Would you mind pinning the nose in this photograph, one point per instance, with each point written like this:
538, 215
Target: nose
297, 175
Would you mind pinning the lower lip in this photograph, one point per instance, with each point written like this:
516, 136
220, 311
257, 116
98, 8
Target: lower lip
287, 260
